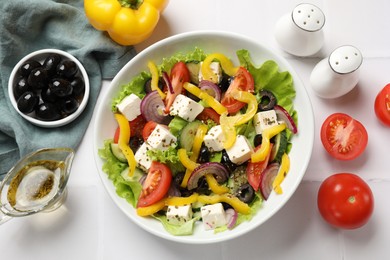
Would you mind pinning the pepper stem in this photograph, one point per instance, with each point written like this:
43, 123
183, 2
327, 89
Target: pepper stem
133, 4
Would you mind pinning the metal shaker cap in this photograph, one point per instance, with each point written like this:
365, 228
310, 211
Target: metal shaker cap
308, 17
345, 59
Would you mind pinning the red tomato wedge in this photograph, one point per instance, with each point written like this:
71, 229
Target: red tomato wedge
345, 201
148, 129
382, 105
209, 113
136, 128
156, 184
254, 170
243, 80
343, 137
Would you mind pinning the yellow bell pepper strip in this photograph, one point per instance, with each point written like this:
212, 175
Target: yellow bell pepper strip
150, 210
181, 201
198, 140
185, 160
211, 101
233, 201
283, 170
265, 147
228, 123
123, 141
226, 64
128, 22
155, 77
214, 186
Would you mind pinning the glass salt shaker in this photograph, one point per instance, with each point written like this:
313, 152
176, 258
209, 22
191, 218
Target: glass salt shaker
300, 32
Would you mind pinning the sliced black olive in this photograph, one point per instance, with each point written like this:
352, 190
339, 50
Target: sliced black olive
47, 112
69, 105
37, 79
148, 85
225, 82
258, 140
27, 102
245, 193
67, 68
267, 100
78, 86
21, 86
203, 187
135, 142
225, 160
61, 87
28, 66
51, 63
204, 154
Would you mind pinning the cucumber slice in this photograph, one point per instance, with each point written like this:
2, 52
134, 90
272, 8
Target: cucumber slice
193, 68
237, 179
188, 134
280, 147
136, 176
117, 152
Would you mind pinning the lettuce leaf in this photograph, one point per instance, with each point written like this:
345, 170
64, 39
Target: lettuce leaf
182, 230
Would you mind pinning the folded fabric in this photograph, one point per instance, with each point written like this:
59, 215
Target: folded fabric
30, 25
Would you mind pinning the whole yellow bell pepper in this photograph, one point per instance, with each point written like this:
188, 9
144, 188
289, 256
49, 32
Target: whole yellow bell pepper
128, 22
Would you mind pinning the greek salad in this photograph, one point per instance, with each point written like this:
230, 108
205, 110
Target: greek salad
201, 139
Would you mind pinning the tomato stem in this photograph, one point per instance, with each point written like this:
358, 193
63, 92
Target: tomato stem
133, 4
351, 199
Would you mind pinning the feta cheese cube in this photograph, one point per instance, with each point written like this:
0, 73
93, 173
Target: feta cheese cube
264, 119
214, 139
241, 150
185, 108
130, 107
161, 138
143, 160
213, 216
178, 215
215, 68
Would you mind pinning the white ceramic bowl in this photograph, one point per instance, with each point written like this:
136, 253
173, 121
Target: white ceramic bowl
40, 56
209, 41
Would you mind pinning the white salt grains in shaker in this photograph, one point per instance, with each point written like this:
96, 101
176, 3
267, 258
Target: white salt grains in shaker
300, 32
338, 74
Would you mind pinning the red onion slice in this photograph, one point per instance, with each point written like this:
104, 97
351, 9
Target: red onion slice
267, 178
168, 82
152, 108
211, 88
217, 169
283, 115
231, 218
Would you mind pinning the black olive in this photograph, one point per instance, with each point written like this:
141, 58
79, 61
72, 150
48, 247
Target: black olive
204, 154
258, 140
28, 66
47, 112
267, 100
148, 85
225, 82
135, 142
69, 105
37, 79
61, 87
245, 193
21, 86
67, 68
48, 96
178, 178
203, 186
225, 160
27, 102
51, 63
78, 86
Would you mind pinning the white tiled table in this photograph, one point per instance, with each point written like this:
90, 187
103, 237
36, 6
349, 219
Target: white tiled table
92, 227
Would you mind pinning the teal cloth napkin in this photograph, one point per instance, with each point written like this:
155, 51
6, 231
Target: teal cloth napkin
29, 25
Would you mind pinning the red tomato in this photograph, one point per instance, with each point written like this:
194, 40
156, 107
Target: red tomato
179, 75
148, 129
156, 184
343, 137
136, 127
254, 170
209, 113
243, 80
382, 105
345, 201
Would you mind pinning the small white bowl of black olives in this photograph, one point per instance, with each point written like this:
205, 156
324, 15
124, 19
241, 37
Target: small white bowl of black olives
49, 88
